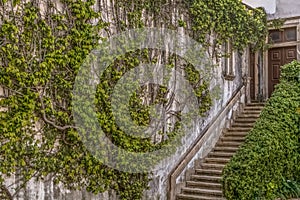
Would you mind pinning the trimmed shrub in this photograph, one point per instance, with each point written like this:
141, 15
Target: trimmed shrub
267, 166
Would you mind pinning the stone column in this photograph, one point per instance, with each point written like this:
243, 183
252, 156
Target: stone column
246, 81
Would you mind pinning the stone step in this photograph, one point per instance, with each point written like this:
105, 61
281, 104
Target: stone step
232, 139
256, 104
251, 112
235, 134
247, 120
208, 172
221, 154
239, 129
255, 116
216, 166
225, 149
206, 192
206, 178
197, 184
228, 144
243, 124
195, 197
253, 108
217, 160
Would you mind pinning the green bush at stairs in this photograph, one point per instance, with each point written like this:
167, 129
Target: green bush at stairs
267, 166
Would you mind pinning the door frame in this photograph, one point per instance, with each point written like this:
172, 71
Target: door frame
294, 22
256, 71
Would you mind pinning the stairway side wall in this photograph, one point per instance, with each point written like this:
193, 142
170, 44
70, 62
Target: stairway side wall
221, 115
206, 143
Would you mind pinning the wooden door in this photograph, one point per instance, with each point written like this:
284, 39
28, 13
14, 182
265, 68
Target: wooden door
277, 58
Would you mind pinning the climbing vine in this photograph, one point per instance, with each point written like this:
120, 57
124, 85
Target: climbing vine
212, 23
42, 47
276, 23
41, 53
219, 21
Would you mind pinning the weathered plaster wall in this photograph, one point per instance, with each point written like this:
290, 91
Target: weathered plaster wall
220, 117
45, 190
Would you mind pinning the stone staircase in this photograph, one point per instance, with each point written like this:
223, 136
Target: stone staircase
205, 184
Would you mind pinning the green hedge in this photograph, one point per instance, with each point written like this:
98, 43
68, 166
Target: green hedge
267, 166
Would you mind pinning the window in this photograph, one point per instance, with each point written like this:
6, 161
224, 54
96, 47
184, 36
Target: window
275, 36
290, 34
283, 35
229, 62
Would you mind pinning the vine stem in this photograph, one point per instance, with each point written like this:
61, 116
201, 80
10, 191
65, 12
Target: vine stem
6, 192
62, 128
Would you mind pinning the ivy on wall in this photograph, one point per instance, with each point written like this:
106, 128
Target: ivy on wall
41, 53
42, 47
227, 20
211, 23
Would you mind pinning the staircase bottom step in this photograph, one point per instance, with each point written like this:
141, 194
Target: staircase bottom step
196, 197
198, 191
